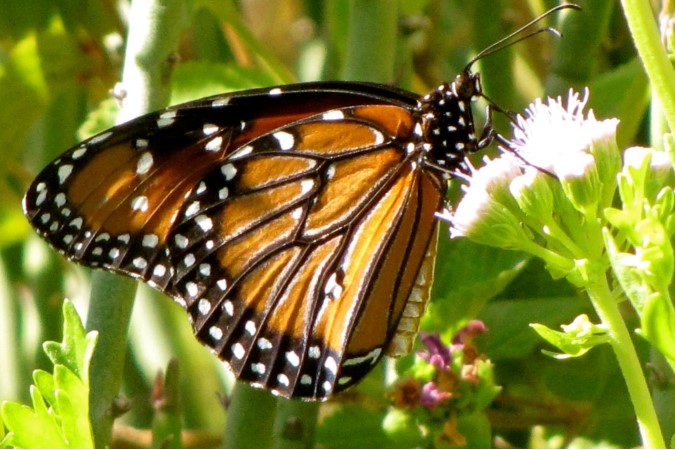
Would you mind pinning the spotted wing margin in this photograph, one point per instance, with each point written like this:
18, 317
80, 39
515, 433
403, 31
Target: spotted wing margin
112, 201
296, 261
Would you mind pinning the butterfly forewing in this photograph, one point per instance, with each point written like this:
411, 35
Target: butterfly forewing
295, 225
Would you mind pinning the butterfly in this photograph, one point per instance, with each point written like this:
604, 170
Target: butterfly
294, 224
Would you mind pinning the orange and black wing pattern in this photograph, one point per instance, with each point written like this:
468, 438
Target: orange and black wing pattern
295, 224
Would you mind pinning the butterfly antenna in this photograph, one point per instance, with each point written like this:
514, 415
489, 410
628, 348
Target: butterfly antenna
514, 37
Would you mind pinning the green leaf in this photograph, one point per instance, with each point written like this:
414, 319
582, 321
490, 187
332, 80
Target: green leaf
44, 381
200, 79
60, 401
74, 419
658, 325
76, 349
467, 276
578, 337
23, 422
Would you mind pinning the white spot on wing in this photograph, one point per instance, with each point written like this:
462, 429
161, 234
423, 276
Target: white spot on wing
204, 306
204, 222
264, 344
379, 137
144, 163
140, 203
223, 101
283, 379
166, 119
229, 171
306, 186
214, 144
192, 289
285, 139
242, 152
60, 199
331, 365
216, 333
79, 153
150, 240
335, 114
192, 209
100, 138
205, 269
228, 307
209, 128
238, 350
159, 270
181, 241
293, 358
64, 172
189, 260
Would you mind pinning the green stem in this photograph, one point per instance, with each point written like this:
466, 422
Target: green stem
250, 418
110, 305
371, 41
295, 424
153, 36
551, 258
608, 311
643, 27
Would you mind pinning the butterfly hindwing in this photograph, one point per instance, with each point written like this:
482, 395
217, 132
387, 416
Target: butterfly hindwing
277, 256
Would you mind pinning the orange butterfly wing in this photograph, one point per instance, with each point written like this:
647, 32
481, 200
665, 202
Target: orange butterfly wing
293, 234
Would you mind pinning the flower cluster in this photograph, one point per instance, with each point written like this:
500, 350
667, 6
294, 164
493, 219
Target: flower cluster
450, 384
553, 194
546, 194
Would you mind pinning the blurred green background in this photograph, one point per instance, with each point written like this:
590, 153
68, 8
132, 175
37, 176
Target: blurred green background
59, 61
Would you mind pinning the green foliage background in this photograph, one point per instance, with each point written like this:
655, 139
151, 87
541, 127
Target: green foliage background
60, 59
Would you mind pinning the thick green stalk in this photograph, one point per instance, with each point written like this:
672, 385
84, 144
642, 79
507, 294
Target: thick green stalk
250, 418
371, 43
154, 26
644, 30
607, 309
295, 424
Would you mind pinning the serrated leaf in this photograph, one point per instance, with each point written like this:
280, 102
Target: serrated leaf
74, 350
571, 344
44, 382
23, 421
74, 421
67, 381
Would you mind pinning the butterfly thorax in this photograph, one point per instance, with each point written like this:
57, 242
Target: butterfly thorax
447, 122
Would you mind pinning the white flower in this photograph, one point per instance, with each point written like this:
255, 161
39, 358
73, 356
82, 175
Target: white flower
517, 187
550, 132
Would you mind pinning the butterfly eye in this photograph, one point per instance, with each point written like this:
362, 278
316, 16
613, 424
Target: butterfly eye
294, 225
